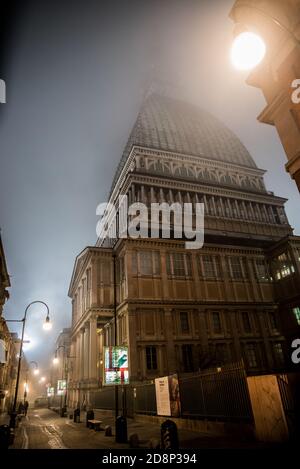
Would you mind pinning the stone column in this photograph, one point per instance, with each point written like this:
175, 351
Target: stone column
93, 352
81, 354
152, 195
94, 282
86, 350
172, 365
78, 338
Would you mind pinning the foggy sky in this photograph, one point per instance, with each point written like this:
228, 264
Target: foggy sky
76, 74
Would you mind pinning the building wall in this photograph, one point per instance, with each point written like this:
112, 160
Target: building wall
180, 310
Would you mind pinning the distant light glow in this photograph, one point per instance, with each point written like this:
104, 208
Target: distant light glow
248, 50
55, 361
43, 379
36, 371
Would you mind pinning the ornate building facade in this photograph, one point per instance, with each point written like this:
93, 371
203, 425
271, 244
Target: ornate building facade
182, 310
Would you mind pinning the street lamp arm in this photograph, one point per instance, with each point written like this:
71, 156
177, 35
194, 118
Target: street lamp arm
34, 302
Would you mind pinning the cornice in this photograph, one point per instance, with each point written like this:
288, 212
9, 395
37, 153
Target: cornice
162, 181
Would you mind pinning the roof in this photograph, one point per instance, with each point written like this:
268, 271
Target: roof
164, 123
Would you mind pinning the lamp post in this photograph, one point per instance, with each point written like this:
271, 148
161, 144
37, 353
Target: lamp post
116, 334
278, 75
36, 372
47, 326
64, 374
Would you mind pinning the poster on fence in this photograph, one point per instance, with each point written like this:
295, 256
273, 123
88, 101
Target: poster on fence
167, 396
61, 387
116, 365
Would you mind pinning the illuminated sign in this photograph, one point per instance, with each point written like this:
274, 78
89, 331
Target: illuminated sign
116, 365
61, 387
50, 391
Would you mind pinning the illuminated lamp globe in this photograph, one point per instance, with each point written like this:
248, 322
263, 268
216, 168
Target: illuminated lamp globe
248, 50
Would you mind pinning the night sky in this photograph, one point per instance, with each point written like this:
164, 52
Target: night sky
76, 74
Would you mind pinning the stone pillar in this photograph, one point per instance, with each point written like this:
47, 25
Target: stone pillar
94, 282
238, 215
86, 350
78, 338
93, 351
152, 195
132, 346
172, 364
81, 355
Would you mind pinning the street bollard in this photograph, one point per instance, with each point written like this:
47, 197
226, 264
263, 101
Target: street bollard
169, 435
121, 429
76, 415
4, 436
89, 416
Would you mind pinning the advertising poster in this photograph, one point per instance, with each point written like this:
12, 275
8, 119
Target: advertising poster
116, 365
61, 387
162, 396
167, 396
50, 391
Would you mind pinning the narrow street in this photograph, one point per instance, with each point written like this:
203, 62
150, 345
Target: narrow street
45, 429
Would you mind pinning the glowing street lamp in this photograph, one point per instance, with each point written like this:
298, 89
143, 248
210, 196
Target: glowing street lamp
55, 361
247, 51
47, 326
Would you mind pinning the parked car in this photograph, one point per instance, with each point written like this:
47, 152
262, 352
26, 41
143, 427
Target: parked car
41, 402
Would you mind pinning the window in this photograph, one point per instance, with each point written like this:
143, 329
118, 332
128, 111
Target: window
145, 263
148, 261
179, 264
251, 355
156, 262
216, 322
187, 357
184, 322
296, 312
209, 266
284, 267
261, 270
236, 268
278, 354
151, 358
134, 262
273, 320
221, 353
246, 321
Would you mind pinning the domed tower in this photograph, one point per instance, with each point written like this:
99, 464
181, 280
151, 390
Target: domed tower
182, 310
179, 153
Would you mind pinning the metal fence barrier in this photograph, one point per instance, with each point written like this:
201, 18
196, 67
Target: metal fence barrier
215, 394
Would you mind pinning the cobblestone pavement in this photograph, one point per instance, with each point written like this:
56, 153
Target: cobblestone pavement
43, 428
